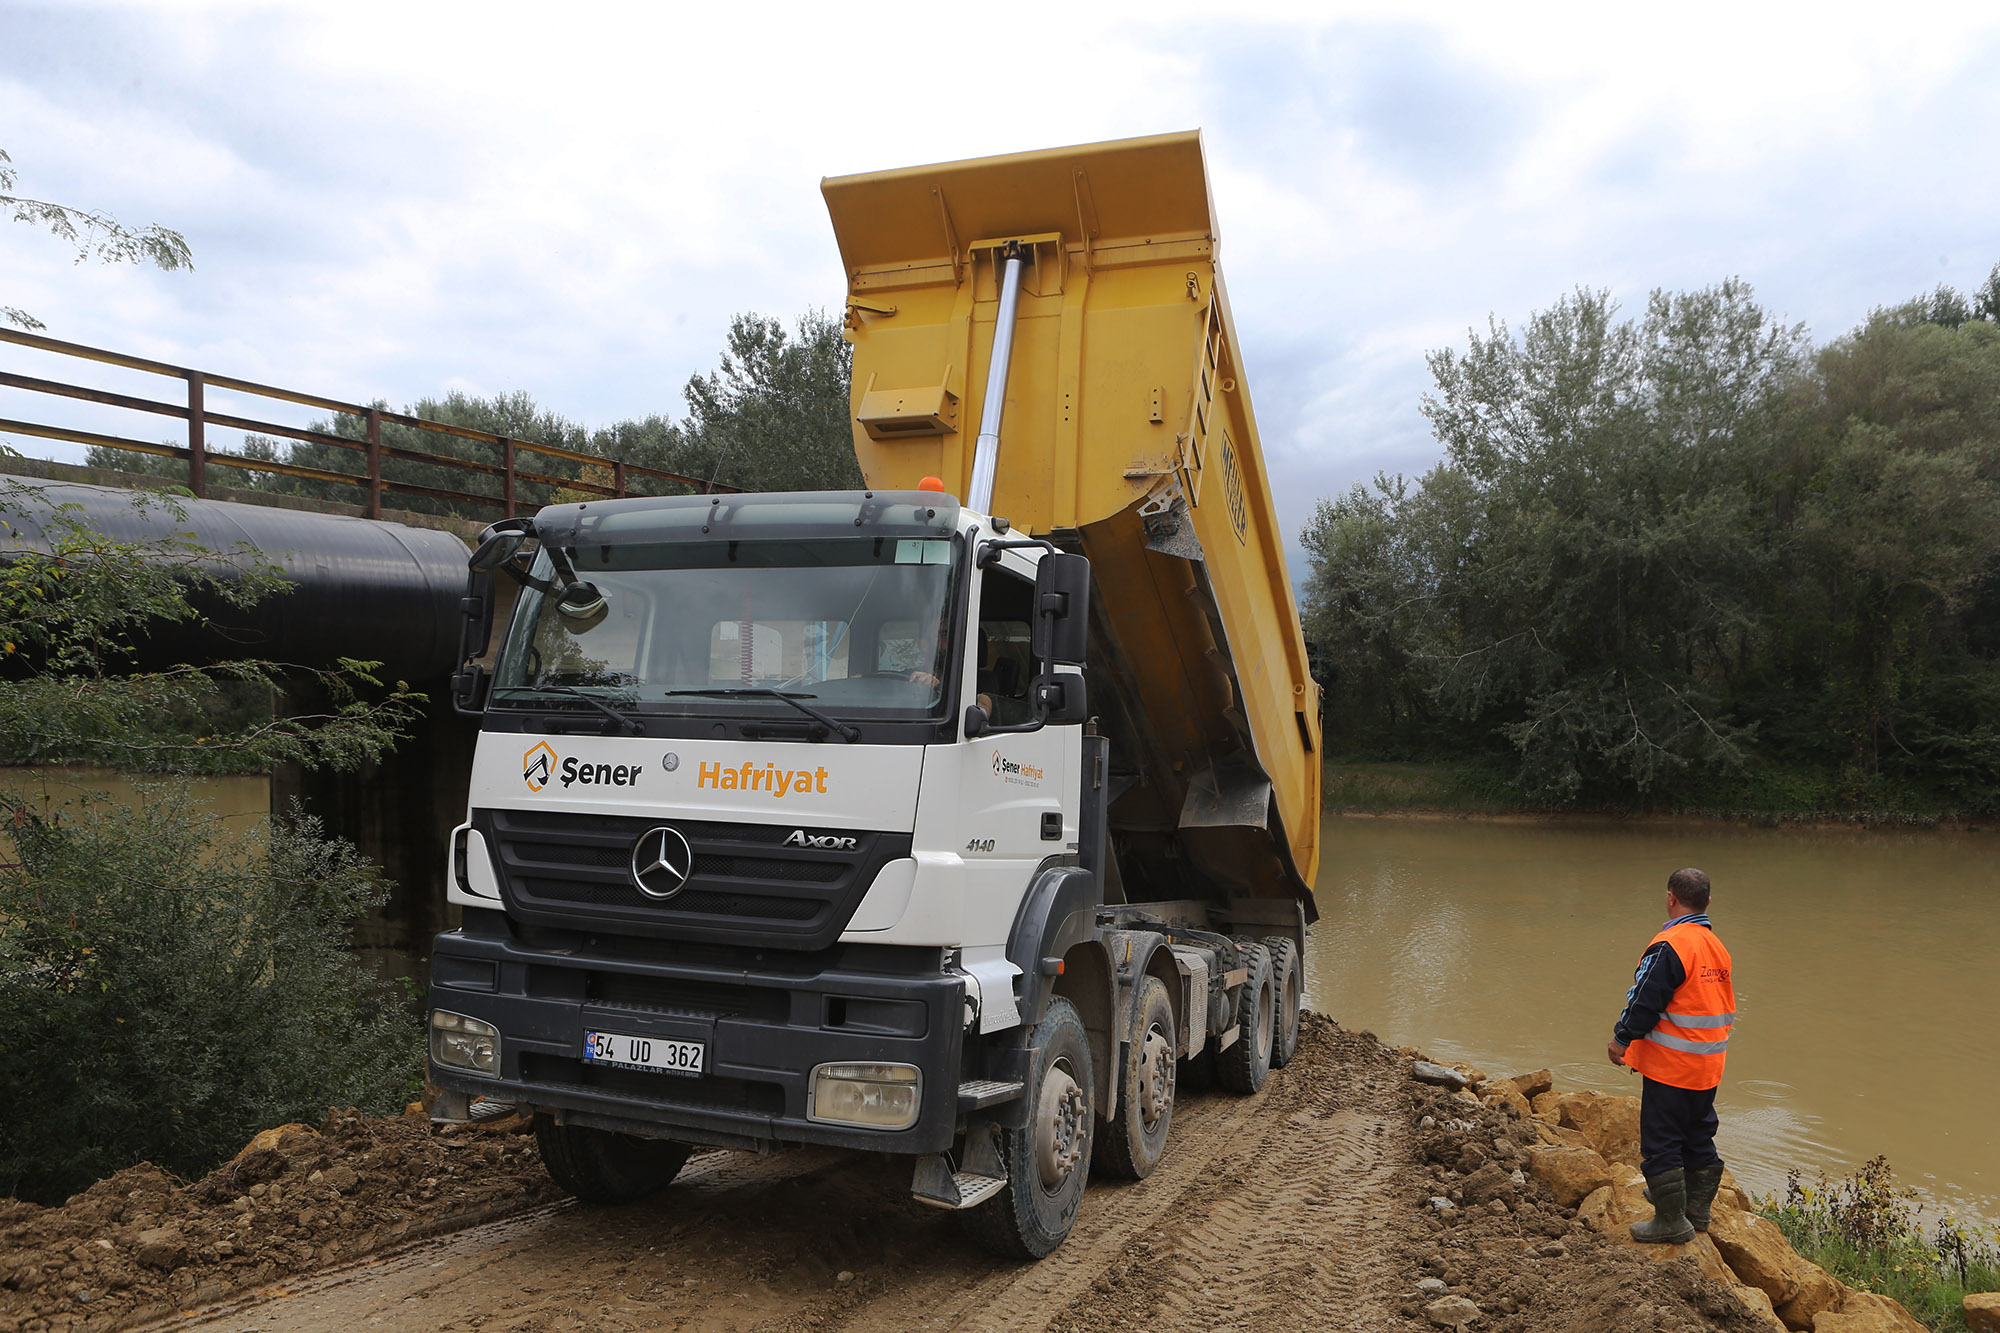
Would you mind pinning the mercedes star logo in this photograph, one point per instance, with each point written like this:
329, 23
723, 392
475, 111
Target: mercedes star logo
661, 862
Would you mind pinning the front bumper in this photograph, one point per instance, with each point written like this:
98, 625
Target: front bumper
766, 1019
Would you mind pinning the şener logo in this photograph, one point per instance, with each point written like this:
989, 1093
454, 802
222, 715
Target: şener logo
662, 860
538, 766
1015, 772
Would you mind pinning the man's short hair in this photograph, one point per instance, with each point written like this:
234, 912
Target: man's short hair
1691, 887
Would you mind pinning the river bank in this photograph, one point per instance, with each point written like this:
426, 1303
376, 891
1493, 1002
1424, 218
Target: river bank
1477, 788
1509, 942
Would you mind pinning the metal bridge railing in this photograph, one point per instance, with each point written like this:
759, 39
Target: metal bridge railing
506, 466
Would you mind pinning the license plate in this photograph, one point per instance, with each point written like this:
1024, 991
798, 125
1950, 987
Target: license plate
629, 1052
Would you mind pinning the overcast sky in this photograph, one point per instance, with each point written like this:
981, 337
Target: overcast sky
394, 201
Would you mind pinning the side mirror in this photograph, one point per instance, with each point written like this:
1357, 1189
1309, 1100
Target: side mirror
468, 690
500, 543
476, 629
1062, 609
1062, 700
975, 721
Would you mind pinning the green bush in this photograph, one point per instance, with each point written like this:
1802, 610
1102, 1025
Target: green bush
1871, 1235
168, 988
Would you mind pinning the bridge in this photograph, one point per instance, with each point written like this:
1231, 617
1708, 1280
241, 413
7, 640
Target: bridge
369, 580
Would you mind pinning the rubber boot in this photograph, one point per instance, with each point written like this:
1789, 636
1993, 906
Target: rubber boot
1668, 1225
1702, 1183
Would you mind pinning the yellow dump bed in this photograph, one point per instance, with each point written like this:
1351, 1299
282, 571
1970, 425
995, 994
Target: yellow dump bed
1127, 435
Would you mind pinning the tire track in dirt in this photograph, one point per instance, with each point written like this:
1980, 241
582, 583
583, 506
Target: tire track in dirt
517, 1252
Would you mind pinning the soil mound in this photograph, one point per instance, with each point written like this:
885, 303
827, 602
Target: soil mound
297, 1198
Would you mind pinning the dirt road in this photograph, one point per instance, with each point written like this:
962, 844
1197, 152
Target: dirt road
1268, 1213
1343, 1196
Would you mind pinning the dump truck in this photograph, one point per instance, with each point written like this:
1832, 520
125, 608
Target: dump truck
962, 818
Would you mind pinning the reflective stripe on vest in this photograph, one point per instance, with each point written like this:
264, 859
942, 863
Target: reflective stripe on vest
1687, 1048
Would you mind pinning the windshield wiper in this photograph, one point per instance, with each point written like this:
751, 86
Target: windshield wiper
624, 720
846, 732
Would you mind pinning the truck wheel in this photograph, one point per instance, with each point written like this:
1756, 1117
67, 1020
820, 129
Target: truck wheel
1244, 1064
1131, 1147
1287, 983
1048, 1160
598, 1166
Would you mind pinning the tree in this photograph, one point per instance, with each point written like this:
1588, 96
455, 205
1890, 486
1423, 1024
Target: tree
1891, 478
165, 989
1578, 578
773, 416
95, 235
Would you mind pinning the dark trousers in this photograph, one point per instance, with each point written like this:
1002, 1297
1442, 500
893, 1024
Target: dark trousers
1676, 1128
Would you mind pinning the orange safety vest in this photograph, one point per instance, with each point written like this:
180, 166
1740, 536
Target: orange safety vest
1686, 1048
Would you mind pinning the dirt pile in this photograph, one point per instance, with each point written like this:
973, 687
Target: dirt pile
141, 1242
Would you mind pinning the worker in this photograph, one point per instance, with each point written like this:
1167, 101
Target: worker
1674, 1032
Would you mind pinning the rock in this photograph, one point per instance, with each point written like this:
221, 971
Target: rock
1502, 1092
1819, 1291
1555, 1249
1439, 1202
1451, 1312
276, 1138
1611, 1124
1423, 1071
416, 1111
518, 1122
1756, 1251
1982, 1312
1547, 1106
1571, 1173
1533, 1085
1759, 1306
1864, 1312
342, 1178
1431, 1286
1488, 1183
1473, 1073
1613, 1208
843, 1277
1556, 1135
161, 1247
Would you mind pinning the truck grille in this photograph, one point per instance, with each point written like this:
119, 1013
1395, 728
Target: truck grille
574, 870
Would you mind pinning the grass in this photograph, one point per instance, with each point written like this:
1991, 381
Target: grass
1464, 787
1872, 1236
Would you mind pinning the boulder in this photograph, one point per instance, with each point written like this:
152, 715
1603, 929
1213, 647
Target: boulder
1547, 1106
1571, 1173
1451, 1312
1610, 1123
1473, 1073
1865, 1312
1982, 1312
1613, 1208
1819, 1292
1759, 1306
163, 1248
1756, 1251
1557, 1135
1502, 1092
1423, 1071
1535, 1084
278, 1137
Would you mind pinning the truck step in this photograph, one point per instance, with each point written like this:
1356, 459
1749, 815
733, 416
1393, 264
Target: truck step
979, 1093
939, 1186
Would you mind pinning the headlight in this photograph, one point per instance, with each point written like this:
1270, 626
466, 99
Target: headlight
876, 1096
458, 1042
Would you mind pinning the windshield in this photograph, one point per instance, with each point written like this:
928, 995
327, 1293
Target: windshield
851, 624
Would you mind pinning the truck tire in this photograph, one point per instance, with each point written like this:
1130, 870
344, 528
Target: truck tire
1047, 1161
1287, 985
1244, 1064
598, 1166
1130, 1146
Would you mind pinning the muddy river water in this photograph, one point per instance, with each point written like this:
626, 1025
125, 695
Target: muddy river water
1867, 974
